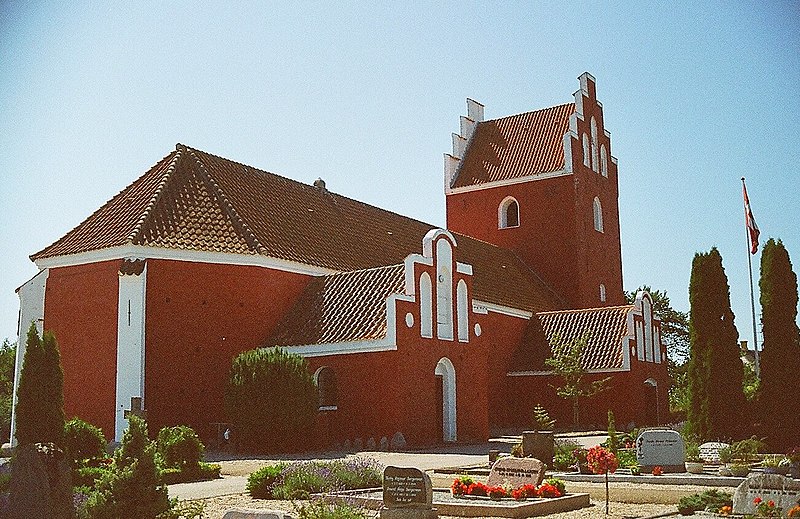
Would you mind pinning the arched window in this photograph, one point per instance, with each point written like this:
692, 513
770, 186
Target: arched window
594, 145
508, 213
586, 156
325, 378
603, 160
444, 290
602, 293
598, 215
425, 305
462, 305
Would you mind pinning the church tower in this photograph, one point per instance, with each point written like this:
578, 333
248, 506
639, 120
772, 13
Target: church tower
543, 184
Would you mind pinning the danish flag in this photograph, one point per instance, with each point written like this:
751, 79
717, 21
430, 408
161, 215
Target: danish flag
750, 222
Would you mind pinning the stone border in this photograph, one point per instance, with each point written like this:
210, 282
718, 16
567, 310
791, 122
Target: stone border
479, 507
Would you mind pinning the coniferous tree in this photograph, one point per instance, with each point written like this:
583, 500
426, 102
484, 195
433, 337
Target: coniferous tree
40, 394
715, 368
778, 396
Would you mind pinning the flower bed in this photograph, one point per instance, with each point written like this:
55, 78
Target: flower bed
466, 486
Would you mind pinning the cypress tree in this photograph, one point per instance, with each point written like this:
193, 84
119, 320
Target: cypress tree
778, 396
715, 368
40, 394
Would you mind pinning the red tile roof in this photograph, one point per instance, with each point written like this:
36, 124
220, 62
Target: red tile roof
198, 201
605, 327
516, 146
341, 307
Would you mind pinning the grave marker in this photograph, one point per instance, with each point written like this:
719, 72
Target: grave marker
407, 494
784, 491
660, 448
517, 472
709, 451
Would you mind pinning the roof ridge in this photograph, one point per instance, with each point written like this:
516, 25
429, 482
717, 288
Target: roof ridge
148, 210
249, 236
561, 105
358, 271
579, 310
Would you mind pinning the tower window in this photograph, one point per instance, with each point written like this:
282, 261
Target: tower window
598, 215
508, 213
594, 145
586, 157
602, 293
603, 160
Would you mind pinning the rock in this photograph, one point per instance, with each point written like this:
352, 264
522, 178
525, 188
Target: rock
516, 472
41, 483
398, 442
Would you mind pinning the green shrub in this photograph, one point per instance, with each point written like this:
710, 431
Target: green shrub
183, 510
201, 472
40, 392
299, 480
261, 482
563, 460
5, 481
627, 458
322, 510
132, 488
83, 441
711, 500
271, 400
517, 451
179, 447
87, 476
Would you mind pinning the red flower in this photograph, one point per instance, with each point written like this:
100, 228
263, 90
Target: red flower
657, 470
771, 503
757, 500
601, 461
548, 490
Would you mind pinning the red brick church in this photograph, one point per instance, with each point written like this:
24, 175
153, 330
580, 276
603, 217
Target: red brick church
440, 334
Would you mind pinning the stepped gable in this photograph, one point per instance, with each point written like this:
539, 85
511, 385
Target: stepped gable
606, 328
350, 306
193, 200
516, 146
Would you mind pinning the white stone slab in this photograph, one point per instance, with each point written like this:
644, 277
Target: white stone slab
660, 448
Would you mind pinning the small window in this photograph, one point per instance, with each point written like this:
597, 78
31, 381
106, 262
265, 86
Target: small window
594, 145
508, 213
598, 215
326, 389
586, 159
602, 293
603, 160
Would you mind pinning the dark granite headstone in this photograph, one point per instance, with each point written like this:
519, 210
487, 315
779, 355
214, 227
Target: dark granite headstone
516, 472
41, 483
407, 494
784, 491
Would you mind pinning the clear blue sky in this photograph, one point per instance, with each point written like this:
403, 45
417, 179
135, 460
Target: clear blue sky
366, 96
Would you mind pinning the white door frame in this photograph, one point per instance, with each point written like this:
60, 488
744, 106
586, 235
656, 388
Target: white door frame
448, 373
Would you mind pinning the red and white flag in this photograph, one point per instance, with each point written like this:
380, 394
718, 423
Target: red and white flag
750, 222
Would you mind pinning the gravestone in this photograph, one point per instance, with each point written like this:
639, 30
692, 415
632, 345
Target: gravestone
516, 472
253, 513
384, 445
784, 491
407, 494
660, 448
371, 444
398, 442
709, 451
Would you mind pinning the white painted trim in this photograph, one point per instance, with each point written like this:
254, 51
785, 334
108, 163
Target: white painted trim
446, 369
328, 408
502, 213
410, 280
433, 235
549, 373
142, 252
464, 268
501, 309
130, 346
509, 182
31, 309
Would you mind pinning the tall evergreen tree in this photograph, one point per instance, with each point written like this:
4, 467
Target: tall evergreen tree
715, 368
40, 394
779, 396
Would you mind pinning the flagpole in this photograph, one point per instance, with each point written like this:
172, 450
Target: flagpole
752, 297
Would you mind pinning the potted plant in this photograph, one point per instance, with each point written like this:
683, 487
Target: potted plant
775, 464
725, 458
739, 470
694, 465
539, 442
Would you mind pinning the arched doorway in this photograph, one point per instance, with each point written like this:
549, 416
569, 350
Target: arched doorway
447, 396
